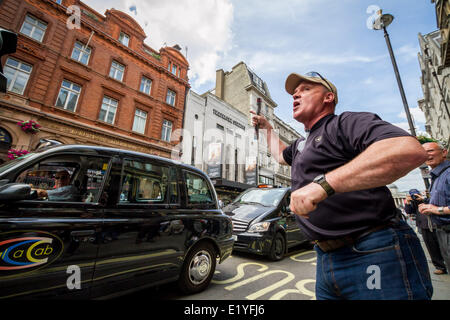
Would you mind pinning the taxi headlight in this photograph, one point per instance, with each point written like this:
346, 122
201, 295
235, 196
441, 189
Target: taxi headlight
259, 227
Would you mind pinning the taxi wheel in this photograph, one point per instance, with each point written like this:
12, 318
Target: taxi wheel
278, 247
198, 268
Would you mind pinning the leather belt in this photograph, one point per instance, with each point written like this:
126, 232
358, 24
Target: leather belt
334, 244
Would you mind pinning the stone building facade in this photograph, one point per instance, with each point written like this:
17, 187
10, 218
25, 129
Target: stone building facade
217, 140
240, 88
89, 78
435, 81
434, 60
218, 136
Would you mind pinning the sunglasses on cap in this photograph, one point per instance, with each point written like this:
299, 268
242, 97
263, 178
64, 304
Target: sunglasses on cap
314, 74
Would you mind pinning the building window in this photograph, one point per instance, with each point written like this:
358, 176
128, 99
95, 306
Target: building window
68, 96
236, 165
146, 85
34, 28
220, 127
174, 69
170, 98
266, 180
257, 81
108, 110
17, 74
58, 1
140, 119
116, 71
81, 53
124, 39
193, 151
166, 130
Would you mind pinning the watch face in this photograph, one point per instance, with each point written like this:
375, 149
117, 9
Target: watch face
319, 178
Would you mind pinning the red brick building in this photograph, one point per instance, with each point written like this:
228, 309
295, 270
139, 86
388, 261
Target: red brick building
97, 83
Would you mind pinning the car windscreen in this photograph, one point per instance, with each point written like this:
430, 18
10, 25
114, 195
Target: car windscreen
11, 163
266, 197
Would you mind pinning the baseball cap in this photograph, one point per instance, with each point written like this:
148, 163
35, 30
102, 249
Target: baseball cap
413, 192
294, 79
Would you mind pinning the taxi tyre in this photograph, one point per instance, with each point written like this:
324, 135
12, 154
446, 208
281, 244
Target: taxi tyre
278, 248
198, 268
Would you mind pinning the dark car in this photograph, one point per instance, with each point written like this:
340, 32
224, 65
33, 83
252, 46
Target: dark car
263, 223
87, 222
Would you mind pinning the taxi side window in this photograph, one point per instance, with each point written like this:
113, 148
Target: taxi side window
70, 178
173, 186
197, 189
145, 182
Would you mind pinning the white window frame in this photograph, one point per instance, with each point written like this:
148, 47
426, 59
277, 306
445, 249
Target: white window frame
171, 97
71, 90
117, 71
140, 121
166, 131
124, 39
109, 105
82, 50
146, 85
17, 71
33, 22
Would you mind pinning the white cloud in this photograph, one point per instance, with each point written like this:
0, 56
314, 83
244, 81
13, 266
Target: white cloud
369, 81
403, 125
203, 26
407, 52
416, 114
274, 62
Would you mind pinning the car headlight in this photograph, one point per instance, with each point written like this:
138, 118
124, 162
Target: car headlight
259, 227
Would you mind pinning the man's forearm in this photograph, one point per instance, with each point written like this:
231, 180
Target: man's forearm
380, 164
275, 145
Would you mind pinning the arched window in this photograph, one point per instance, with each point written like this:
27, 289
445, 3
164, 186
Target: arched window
5, 139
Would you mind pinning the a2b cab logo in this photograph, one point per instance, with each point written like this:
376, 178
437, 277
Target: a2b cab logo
26, 253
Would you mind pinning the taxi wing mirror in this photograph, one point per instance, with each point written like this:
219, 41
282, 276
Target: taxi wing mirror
16, 192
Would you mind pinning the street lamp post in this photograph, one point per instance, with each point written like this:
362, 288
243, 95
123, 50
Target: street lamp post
380, 23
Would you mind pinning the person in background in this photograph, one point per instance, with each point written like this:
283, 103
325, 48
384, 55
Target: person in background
438, 206
426, 228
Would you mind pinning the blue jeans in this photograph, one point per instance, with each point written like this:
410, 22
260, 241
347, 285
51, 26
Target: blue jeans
388, 264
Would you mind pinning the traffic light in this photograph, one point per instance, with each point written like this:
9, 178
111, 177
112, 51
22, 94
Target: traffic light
8, 44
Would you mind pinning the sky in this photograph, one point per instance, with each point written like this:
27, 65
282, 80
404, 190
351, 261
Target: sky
276, 38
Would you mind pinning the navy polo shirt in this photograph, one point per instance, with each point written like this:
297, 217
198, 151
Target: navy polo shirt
332, 142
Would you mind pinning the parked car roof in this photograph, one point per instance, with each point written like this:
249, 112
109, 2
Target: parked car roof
106, 151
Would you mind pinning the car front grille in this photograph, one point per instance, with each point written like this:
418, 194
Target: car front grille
240, 225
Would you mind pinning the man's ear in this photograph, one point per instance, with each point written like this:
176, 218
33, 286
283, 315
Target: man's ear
329, 97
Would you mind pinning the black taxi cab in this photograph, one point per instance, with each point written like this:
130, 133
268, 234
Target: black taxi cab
86, 222
263, 223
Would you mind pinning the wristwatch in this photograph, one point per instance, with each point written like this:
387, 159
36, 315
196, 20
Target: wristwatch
441, 210
320, 179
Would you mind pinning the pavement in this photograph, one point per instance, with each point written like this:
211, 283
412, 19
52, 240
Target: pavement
441, 283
